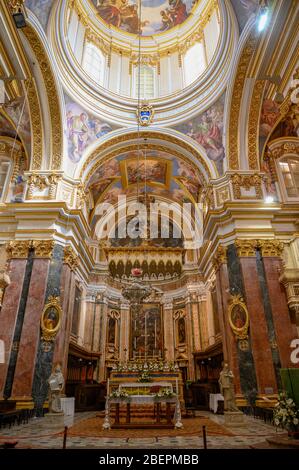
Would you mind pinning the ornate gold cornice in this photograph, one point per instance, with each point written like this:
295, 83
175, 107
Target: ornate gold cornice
70, 258
233, 131
52, 95
18, 248
220, 257
246, 248
43, 248
247, 182
271, 248
253, 124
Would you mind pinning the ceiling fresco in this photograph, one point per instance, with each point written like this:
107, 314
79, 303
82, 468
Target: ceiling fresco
161, 174
157, 16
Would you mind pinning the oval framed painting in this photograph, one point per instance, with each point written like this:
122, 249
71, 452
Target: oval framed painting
238, 317
51, 319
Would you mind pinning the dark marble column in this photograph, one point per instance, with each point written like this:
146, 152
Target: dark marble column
230, 353
44, 359
246, 363
25, 364
70, 263
285, 330
11, 307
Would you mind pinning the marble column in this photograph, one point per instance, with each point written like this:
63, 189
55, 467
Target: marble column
230, 353
17, 254
245, 356
285, 330
259, 335
45, 353
168, 331
190, 338
23, 377
67, 298
125, 345
102, 345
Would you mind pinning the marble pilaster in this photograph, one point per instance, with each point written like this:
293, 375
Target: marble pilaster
23, 377
124, 349
168, 331
9, 312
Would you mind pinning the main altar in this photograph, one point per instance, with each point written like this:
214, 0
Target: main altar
144, 395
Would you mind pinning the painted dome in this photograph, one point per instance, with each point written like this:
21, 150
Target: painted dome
148, 17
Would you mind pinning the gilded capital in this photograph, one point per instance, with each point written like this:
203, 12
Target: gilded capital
70, 258
220, 257
43, 248
246, 248
18, 248
271, 248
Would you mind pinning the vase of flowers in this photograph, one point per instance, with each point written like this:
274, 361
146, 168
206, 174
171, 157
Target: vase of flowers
119, 394
286, 415
165, 393
144, 376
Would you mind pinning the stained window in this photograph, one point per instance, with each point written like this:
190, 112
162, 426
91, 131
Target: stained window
147, 81
4, 174
94, 62
194, 63
289, 168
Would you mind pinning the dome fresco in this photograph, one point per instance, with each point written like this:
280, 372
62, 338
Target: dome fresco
156, 17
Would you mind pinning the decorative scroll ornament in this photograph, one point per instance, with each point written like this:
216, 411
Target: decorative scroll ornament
51, 319
220, 257
238, 317
145, 114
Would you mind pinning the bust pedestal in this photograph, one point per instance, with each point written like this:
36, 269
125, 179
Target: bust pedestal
233, 418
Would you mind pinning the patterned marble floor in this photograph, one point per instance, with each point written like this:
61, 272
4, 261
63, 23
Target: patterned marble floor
36, 434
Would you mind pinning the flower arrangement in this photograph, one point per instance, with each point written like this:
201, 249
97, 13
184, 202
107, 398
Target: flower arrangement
144, 376
121, 394
165, 393
286, 413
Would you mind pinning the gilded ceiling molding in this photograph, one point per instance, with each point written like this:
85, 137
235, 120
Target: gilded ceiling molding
220, 257
247, 182
52, 94
233, 131
253, 124
37, 128
246, 248
18, 248
271, 248
145, 135
7, 149
70, 258
43, 248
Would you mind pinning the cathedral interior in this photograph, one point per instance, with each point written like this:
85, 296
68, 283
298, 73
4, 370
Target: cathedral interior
149, 225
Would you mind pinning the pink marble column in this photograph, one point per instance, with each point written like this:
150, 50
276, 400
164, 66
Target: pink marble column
285, 330
9, 311
25, 366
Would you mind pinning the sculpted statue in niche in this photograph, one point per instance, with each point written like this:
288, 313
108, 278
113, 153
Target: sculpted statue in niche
181, 330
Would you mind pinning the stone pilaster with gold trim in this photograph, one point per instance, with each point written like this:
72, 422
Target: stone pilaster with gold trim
70, 258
